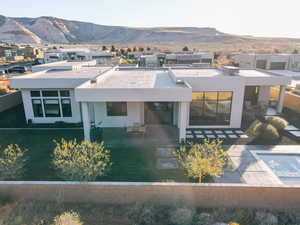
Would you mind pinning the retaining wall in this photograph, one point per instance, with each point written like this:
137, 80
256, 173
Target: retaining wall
204, 195
10, 100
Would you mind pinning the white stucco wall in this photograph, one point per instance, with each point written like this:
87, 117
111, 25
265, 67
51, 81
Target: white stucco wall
135, 114
76, 115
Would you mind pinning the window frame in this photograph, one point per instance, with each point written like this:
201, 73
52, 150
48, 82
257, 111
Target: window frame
60, 99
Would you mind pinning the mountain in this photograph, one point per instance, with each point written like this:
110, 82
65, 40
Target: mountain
55, 30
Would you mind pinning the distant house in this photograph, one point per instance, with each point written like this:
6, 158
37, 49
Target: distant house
78, 54
268, 61
182, 98
190, 58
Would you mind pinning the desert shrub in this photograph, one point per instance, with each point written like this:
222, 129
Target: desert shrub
255, 128
264, 131
67, 218
12, 163
289, 217
83, 161
278, 122
182, 215
32, 212
203, 219
142, 214
269, 132
203, 160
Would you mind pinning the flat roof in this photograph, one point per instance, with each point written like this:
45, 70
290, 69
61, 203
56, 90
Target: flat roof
61, 64
254, 73
294, 75
57, 78
84, 72
197, 72
136, 79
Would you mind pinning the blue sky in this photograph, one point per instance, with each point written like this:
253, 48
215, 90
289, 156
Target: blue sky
248, 17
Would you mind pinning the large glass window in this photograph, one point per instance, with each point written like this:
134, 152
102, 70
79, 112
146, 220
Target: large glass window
210, 108
51, 103
116, 108
51, 107
37, 108
64, 93
50, 93
35, 93
66, 107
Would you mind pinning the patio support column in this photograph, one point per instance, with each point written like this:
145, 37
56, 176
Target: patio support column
86, 121
182, 117
281, 99
264, 92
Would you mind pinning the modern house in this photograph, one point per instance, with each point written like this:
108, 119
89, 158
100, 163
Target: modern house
268, 61
122, 97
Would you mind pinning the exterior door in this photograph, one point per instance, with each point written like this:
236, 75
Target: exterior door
159, 113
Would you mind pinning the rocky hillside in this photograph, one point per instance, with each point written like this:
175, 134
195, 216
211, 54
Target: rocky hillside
55, 30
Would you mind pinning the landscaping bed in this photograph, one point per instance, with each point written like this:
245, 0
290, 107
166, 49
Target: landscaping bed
44, 213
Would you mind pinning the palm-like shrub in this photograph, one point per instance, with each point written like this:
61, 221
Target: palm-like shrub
83, 161
68, 218
12, 163
278, 122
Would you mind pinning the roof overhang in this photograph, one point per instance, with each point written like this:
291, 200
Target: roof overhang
133, 94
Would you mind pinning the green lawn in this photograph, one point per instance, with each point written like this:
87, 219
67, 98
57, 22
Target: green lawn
129, 163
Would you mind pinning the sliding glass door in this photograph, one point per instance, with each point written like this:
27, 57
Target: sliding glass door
210, 108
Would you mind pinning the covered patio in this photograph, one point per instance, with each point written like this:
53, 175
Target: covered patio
153, 100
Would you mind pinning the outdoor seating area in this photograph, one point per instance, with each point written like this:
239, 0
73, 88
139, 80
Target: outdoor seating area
196, 134
136, 129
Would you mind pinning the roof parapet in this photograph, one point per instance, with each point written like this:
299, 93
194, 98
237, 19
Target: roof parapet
230, 70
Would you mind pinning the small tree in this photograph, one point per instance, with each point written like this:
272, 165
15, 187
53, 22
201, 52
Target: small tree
201, 160
141, 49
295, 51
104, 48
83, 161
12, 163
148, 49
113, 48
185, 49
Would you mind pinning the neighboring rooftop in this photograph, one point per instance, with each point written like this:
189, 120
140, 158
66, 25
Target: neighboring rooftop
62, 65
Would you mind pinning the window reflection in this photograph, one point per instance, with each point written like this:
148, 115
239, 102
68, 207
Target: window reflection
210, 108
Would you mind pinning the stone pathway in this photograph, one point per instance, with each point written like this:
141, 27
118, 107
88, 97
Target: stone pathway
215, 134
165, 158
293, 131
